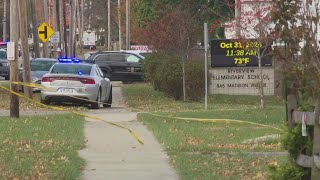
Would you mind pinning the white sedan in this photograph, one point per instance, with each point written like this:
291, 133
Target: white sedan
72, 81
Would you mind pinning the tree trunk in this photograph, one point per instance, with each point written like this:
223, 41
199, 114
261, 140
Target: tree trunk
24, 46
119, 18
184, 79
315, 172
128, 24
4, 36
262, 105
109, 26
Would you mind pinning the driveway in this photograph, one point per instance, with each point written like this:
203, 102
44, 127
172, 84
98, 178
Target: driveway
112, 153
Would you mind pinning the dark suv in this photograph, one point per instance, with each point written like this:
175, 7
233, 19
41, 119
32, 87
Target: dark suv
4, 64
119, 66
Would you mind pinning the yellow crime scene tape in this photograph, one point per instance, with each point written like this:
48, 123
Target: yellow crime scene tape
63, 109
171, 117
227, 121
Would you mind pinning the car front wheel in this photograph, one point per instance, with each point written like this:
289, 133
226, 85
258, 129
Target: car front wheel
45, 101
96, 105
109, 102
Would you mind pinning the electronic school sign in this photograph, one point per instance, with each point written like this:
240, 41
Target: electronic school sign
235, 53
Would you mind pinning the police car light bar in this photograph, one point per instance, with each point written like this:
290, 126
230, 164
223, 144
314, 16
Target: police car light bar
68, 60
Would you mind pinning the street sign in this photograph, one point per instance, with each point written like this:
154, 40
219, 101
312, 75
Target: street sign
55, 38
10, 51
45, 32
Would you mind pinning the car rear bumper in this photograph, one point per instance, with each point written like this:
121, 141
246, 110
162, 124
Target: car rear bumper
68, 97
4, 71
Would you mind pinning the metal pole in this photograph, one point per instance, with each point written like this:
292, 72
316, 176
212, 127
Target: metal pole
127, 24
206, 64
4, 37
109, 26
119, 16
14, 99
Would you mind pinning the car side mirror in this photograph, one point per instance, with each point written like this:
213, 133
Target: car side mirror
106, 75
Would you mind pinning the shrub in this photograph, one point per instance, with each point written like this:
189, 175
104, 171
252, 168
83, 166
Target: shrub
195, 80
295, 144
164, 72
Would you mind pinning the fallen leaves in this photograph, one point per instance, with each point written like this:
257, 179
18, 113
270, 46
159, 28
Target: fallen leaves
244, 146
193, 141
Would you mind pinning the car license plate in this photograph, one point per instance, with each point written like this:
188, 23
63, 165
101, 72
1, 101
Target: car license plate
66, 90
5, 64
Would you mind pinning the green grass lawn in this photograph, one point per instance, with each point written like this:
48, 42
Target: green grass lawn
41, 147
211, 150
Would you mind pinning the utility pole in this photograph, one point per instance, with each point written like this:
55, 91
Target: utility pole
79, 16
62, 27
71, 29
109, 27
36, 49
45, 12
55, 24
119, 17
65, 29
14, 99
22, 8
127, 24
74, 14
58, 26
82, 25
4, 36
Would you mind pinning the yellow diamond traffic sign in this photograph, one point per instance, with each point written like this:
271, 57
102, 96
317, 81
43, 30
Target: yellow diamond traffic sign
45, 32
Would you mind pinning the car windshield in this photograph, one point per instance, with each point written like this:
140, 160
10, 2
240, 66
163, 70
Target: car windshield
41, 65
71, 69
3, 55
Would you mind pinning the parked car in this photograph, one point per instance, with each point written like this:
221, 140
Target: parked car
38, 67
4, 65
121, 66
72, 81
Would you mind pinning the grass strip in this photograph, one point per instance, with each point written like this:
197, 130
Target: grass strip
214, 149
41, 147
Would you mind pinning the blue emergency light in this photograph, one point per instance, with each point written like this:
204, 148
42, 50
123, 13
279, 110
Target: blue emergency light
69, 60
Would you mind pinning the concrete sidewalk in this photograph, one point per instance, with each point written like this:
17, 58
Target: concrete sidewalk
112, 153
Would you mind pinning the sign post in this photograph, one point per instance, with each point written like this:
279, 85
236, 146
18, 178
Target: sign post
206, 64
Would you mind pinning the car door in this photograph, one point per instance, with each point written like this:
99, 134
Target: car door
134, 66
116, 64
104, 83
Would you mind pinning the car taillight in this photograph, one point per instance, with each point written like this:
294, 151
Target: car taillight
87, 81
47, 79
